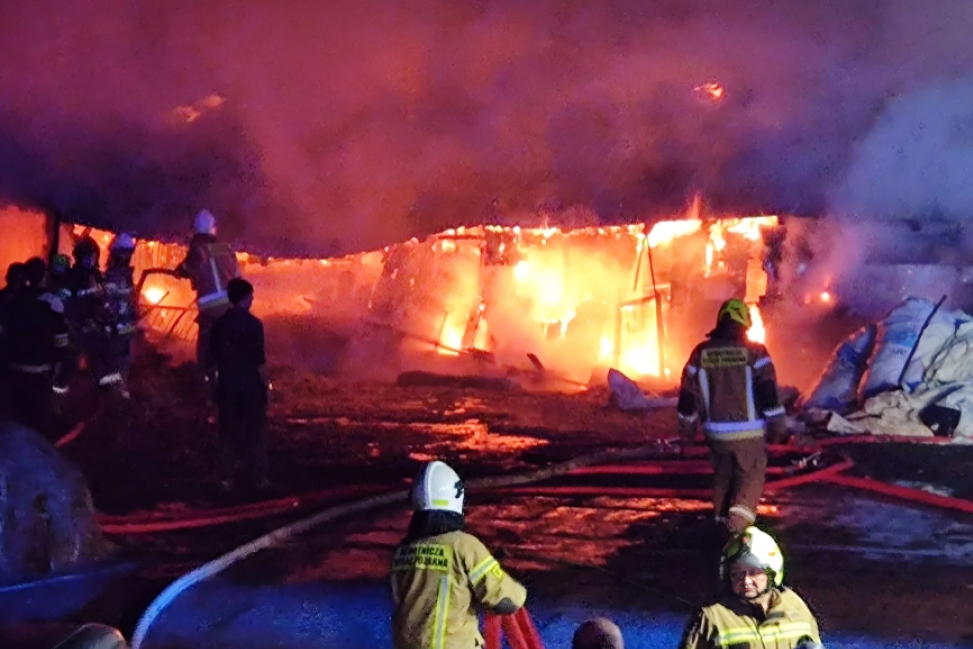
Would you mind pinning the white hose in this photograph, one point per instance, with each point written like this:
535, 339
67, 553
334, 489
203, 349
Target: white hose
270, 539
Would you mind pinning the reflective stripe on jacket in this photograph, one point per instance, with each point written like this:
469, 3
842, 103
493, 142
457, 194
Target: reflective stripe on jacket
738, 624
731, 386
210, 265
436, 583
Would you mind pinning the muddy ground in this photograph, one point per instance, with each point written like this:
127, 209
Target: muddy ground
871, 568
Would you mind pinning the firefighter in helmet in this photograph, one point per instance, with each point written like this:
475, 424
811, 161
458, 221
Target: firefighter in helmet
729, 387
209, 265
90, 316
440, 573
37, 338
120, 292
755, 609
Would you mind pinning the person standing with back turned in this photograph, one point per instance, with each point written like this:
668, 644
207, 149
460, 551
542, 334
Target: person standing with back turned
209, 266
237, 350
729, 385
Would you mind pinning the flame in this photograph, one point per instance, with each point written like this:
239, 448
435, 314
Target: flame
664, 232
544, 289
451, 338
153, 295
825, 297
756, 333
522, 271
712, 90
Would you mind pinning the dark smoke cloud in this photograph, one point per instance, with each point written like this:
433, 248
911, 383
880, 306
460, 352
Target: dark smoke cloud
348, 125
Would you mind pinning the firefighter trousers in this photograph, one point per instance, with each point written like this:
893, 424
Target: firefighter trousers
739, 468
242, 424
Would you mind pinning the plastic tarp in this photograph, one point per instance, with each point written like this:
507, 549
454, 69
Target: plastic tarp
939, 372
837, 387
900, 332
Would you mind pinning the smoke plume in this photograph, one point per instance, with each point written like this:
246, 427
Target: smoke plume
336, 127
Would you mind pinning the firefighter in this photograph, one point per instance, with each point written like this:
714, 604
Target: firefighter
241, 387
729, 386
209, 266
37, 336
59, 281
89, 315
120, 292
755, 609
16, 283
440, 573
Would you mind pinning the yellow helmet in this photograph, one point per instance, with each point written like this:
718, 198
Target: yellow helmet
755, 549
736, 310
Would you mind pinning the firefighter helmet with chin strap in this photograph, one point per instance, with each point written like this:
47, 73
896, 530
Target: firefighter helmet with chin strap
438, 488
754, 548
736, 310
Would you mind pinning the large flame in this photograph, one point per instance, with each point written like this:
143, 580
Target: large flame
548, 282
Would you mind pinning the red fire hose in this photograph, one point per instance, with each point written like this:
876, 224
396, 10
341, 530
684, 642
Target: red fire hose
905, 493
154, 522
518, 628
150, 523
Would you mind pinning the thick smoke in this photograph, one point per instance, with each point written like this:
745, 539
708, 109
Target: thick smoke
917, 163
344, 126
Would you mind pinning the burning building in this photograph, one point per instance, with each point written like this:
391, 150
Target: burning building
632, 297
569, 301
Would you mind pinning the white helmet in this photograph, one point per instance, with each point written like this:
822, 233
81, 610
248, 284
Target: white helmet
205, 223
438, 488
754, 548
123, 241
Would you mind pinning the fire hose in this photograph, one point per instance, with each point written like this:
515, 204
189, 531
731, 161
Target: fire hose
517, 632
155, 522
283, 534
518, 628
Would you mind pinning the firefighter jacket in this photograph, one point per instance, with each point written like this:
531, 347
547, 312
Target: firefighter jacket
730, 384
209, 265
37, 333
120, 293
436, 582
87, 309
737, 624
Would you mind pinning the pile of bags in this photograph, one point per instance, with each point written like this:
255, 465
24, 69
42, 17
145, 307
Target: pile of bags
910, 374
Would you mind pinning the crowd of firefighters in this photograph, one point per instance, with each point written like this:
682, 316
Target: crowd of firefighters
52, 317
67, 320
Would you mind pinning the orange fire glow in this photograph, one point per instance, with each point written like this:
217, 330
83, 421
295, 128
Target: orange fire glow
153, 295
712, 90
757, 333
550, 280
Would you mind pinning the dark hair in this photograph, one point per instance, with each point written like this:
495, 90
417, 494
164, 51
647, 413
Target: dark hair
16, 273
34, 270
238, 289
